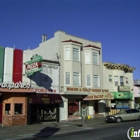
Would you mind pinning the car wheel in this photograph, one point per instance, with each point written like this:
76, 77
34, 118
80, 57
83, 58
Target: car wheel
139, 118
118, 120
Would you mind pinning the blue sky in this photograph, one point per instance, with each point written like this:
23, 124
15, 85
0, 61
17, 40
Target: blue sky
114, 23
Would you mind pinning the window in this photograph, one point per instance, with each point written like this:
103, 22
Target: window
76, 79
67, 78
116, 80
96, 81
88, 80
110, 78
7, 108
76, 54
95, 58
127, 80
67, 53
87, 58
121, 81
18, 109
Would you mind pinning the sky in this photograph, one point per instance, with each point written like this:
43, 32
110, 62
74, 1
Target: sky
114, 23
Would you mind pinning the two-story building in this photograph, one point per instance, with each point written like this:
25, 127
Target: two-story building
118, 78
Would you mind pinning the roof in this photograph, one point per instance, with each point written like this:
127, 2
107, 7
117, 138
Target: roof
124, 67
73, 41
92, 46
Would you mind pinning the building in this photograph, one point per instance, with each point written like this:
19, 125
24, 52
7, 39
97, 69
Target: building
118, 78
80, 72
136, 93
24, 97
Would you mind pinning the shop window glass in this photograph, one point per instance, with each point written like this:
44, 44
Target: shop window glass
18, 108
7, 109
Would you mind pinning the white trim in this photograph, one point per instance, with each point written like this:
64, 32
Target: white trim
86, 55
65, 78
78, 54
68, 48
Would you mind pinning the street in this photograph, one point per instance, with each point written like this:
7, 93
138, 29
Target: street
111, 131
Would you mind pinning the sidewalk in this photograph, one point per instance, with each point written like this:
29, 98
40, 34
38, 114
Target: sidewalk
46, 128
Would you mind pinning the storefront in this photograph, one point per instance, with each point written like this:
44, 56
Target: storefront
74, 98
123, 99
44, 107
100, 101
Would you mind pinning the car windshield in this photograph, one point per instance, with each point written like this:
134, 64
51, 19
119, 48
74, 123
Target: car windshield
121, 112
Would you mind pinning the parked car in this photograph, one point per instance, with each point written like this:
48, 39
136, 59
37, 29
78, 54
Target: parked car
124, 115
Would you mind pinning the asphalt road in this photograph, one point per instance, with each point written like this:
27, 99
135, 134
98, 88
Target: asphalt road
111, 131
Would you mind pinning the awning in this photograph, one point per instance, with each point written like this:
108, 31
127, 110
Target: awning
45, 99
101, 96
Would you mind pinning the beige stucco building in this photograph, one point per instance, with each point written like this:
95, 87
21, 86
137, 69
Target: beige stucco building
118, 78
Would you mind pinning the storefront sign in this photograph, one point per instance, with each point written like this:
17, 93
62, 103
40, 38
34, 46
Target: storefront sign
71, 89
124, 88
102, 96
17, 85
44, 91
122, 95
34, 65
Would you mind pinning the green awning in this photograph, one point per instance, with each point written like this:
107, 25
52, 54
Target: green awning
122, 95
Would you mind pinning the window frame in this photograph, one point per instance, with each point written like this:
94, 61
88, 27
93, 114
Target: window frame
122, 81
87, 54
76, 52
21, 109
69, 79
110, 78
88, 81
65, 55
116, 81
97, 58
98, 81
127, 82
77, 74
8, 112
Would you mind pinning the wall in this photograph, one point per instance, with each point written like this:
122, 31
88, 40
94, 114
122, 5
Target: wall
12, 119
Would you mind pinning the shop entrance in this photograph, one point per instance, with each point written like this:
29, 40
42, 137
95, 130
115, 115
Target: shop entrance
43, 112
96, 106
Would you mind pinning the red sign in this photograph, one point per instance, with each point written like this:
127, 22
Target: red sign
33, 66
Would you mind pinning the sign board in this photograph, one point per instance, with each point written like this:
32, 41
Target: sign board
102, 96
124, 88
77, 89
17, 85
34, 65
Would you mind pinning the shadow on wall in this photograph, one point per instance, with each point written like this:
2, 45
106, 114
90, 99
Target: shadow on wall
41, 80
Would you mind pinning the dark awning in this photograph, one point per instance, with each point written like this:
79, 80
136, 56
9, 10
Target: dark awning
45, 99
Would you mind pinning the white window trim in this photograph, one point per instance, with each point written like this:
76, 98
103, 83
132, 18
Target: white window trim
79, 54
86, 80
65, 79
89, 58
99, 85
110, 78
97, 58
65, 53
79, 79
116, 81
